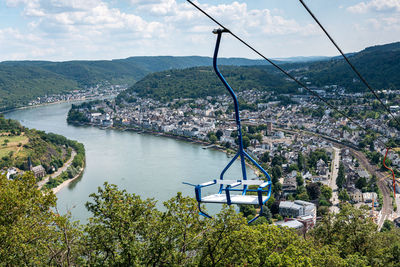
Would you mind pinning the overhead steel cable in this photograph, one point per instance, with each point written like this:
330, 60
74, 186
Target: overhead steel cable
348, 61
283, 71
299, 82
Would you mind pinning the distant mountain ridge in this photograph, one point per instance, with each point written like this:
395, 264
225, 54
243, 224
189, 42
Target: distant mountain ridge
22, 81
380, 65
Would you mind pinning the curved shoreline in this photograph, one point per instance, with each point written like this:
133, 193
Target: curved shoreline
54, 103
57, 189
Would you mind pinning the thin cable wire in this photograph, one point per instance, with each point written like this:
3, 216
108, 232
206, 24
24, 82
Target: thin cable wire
283, 71
348, 61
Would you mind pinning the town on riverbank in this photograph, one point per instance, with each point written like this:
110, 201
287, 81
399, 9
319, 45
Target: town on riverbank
312, 153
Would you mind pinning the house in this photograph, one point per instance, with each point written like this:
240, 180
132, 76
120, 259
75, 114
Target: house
297, 208
293, 224
355, 194
300, 215
107, 123
38, 171
363, 173
322, 167
10, 172
289, 187
369, 196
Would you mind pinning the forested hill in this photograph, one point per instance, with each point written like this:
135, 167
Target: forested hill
19, 84
202, 81
379, 65
18, 143
21, 81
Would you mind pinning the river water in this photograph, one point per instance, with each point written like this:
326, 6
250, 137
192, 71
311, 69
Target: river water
147, 165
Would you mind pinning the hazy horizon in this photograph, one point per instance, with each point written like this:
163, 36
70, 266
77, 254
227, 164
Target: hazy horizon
64, 30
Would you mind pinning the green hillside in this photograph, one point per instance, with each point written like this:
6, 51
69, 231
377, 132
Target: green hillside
21, 81
379, 65
17, 143
202, 82
19, 84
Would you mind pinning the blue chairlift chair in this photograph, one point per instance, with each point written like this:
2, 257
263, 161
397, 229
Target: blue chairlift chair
234, 191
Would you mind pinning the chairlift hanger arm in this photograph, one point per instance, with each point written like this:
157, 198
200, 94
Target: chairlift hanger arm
224, 195
241, 151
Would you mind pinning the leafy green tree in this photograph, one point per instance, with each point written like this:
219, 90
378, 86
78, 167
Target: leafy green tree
375, 157
276, 173
387, 226
252, 129
326, 192
278, 160
247, 210
246, 142
299, 180
301, 193
128, 231
265, 157
361, 183
170, 238
119, 221
276, 188
219, 134
343, 195
30, 232
301, 163
313, 190
293, 167
227, 145
317, 155
349, 229
341, 179
259, 137
322, 210
213, 138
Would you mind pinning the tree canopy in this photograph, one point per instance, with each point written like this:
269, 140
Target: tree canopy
125, 230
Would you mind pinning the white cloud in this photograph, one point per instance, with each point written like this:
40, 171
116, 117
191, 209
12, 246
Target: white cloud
236, 16
376, 5
93, 29
387, 24
86, 17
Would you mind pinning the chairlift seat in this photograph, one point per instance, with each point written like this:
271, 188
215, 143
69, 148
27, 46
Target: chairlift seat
239, 196
235, 199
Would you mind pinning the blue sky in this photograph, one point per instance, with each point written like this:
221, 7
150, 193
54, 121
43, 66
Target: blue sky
106, 29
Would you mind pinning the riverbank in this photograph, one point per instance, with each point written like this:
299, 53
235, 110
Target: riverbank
55, 103
67, 182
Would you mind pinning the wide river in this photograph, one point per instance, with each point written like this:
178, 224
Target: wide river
147, 165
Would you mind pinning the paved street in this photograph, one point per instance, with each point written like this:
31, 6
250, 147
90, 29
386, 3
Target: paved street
59, 171
334, 173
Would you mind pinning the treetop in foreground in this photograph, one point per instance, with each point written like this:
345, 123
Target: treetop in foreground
125, 230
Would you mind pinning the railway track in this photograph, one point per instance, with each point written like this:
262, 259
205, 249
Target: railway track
387, 207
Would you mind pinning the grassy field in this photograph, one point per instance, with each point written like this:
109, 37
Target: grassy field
12, 145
